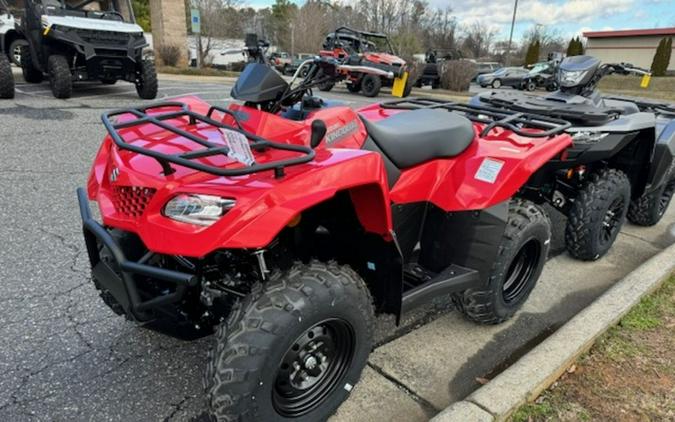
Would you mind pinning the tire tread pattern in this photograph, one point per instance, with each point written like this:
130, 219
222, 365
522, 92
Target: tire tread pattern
478, 305
589, 210
235, 360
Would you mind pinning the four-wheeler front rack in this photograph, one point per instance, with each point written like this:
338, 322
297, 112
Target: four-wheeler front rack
520, 123
141, 116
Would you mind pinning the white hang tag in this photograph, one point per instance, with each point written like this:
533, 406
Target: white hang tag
239, 148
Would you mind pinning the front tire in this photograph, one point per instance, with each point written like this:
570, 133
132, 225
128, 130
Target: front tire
15, 48
146, 80
520, 260
370, 85
496, 84
293, 348
60, 78
108, 81
354, 87
31, 74
326, 86
6, 78
531, 86
597, 215
650, 208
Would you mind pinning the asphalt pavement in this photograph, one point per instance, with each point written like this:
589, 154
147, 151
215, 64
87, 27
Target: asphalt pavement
65, 356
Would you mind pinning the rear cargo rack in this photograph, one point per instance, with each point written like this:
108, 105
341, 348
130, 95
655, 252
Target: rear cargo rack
492, 117
647, 105
210, 149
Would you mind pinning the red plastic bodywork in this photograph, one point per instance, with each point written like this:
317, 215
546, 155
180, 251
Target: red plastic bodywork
265, 204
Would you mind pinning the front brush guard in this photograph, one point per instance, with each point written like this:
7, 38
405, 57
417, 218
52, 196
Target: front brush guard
120, 282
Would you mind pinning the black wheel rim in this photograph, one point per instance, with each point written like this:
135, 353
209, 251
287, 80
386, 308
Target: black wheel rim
521, 271
313, 367
611, 222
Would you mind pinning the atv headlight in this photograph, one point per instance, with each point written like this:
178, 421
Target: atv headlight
588, 137
568, 78
202, 210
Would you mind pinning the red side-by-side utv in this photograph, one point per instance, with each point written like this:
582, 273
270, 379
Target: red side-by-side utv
361, 53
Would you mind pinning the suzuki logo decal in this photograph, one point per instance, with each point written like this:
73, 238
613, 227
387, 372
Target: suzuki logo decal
114, 174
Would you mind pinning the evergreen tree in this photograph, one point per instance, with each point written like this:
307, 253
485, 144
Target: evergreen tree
661, 57
532, 55
580, 47
571, 48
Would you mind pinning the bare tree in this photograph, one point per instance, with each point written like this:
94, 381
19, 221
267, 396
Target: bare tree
478, 40
216, 22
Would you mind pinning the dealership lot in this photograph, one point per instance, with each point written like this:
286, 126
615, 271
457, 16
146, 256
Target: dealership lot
65, 356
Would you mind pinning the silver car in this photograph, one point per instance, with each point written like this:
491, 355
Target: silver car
506, 76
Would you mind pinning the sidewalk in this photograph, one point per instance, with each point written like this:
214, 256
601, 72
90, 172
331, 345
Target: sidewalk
417, 375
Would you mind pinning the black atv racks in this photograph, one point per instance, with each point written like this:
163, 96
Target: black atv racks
186, 159
517, 122
647, 105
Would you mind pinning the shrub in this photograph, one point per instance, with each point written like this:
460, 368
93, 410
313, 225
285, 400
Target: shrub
456, 75
169, 54
662, 57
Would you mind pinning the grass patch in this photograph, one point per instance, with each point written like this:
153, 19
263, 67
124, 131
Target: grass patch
193, 71
660, 87
627, 375
650, 312
531, 411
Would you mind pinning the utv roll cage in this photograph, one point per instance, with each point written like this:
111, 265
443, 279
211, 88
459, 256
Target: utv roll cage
360, 35
515, 121
210, 149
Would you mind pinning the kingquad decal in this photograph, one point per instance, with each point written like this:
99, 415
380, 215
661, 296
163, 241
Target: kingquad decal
337, 133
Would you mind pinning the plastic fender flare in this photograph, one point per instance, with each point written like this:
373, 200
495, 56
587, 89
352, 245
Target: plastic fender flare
369, 196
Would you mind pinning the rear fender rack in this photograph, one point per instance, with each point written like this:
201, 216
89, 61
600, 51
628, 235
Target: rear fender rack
492, 117
210, 149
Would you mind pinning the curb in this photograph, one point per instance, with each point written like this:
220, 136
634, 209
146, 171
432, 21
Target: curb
538, 369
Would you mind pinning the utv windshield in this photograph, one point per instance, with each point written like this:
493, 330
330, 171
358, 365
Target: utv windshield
119, 10
538, 68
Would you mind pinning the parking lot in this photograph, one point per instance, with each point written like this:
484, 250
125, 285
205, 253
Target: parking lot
66, 356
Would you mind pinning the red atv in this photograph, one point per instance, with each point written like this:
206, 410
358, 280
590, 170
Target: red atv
362, 52
284, 225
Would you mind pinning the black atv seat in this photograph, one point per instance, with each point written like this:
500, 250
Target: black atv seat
416, 136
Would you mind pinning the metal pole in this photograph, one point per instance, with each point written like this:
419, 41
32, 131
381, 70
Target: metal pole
513, 23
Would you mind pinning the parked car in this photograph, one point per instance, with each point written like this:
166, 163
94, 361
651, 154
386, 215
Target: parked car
297, 61
281, 61
483, 68
541, 75
11, 39
506, 76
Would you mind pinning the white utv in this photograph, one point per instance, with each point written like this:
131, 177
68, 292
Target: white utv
85, 40
11, 40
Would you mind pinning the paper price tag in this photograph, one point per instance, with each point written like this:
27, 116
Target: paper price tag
240, 150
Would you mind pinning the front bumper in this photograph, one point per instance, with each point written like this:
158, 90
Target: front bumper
121, 281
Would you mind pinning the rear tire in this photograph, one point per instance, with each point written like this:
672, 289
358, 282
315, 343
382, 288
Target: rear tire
108, 81
146, 82
60, 77
597, 215
650, 208
308, 330
6, 78
31, 74
370, 85
520, 260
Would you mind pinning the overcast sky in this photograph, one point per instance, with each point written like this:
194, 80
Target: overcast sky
570, 17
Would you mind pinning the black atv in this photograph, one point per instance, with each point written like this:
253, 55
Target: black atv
85, 40
622, 161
